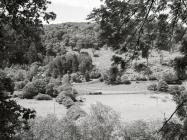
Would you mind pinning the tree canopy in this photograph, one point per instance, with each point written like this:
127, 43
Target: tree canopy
126, 24
20, 25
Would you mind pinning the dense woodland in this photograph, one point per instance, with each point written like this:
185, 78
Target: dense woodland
42, 61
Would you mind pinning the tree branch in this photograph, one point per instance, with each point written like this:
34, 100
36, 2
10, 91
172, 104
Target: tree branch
178, 107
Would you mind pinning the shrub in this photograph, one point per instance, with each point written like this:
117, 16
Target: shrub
94, 74
32, 71
20, 75
176, 90
64, 87
162, 86
43, 97
179, 66
85, 62
152, 77
56, 82
96, 55
65, 100
29, 91
50, 90
147, 71
20, 85
51, 128
140, 130
125, 80
87, 76
6, 83
141, 78
139, 67
171, 78
110, 77
75, 77
152, 87
33, 88
75, 112
102, 123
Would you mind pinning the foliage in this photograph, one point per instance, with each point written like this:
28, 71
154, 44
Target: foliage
141, 77
125, 80
62, 98
95, 74
34, 88
20, 85
85, 62
75, 112
176, 90
6, 83
111, 75
43, 97
117, 60
179, 66
21, 25
13, 117
138, 67
152, 77
140, 130
76, 77
50, 89
152, 87
69, 63
162, 86
102, 123
171, 78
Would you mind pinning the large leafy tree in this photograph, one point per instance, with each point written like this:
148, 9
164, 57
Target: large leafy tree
20, 28
20, 25
123, 23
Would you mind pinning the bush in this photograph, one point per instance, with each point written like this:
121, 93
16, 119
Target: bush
139, 67
6, 83
75, 112
43, 97
152, 87
56, 82
75, 77
50, 90
176, 90
162, 86
102, 123
33, 88
65, 100
171, 78
141, 78
87, 76
152, 77
125, 80
65, 87
95, 74
32, 71
110, 77
140, 130
85, 62
20, 85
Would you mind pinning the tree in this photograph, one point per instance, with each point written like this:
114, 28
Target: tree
21, 24
123, 23
13, 117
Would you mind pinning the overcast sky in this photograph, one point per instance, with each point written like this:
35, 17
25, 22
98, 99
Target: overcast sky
72, 10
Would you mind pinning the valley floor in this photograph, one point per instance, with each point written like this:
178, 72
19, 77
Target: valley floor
133, 102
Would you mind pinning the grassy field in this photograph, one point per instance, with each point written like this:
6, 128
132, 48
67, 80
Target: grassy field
130, 106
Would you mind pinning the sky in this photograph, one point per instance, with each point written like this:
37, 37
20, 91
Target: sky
72, 10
